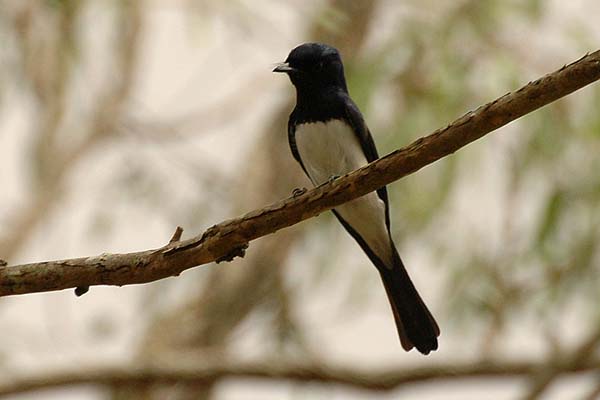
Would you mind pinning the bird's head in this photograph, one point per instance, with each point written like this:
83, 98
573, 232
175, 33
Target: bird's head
314, 66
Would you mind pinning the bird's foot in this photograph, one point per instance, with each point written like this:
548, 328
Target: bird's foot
299, 192
332, 178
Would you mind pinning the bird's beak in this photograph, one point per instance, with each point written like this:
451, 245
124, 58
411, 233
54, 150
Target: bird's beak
283, 67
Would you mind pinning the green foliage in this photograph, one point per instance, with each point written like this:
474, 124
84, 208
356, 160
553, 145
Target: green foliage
552, 211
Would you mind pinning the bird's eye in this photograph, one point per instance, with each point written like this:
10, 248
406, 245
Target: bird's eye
320, 65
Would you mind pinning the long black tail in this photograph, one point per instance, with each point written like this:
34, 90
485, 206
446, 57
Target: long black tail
416, 326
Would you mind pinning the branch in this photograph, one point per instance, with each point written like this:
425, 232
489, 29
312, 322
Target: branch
546, 376
365, 379
228, 238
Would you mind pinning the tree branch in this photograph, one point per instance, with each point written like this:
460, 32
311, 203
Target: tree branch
226, 239
546, 376
365, 379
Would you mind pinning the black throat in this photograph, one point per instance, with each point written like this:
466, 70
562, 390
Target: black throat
319, 104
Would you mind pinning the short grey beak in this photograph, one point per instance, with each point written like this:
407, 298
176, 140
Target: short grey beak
283, 67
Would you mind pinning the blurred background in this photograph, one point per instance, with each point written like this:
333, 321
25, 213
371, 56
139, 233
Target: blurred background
120, 120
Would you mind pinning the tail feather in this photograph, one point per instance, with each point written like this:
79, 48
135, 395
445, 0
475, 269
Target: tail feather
416, 326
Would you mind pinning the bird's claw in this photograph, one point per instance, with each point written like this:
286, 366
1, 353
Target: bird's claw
298, 192
332, 178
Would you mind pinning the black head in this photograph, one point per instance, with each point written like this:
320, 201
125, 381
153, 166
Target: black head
314, 66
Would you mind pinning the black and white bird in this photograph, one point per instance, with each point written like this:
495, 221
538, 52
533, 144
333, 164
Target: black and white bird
329, 138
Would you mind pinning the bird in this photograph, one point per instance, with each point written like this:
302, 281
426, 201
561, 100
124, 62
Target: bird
329, 138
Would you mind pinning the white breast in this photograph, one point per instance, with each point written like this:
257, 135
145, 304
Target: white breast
331, 149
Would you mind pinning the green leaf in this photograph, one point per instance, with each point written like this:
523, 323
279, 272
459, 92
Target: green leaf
553, 210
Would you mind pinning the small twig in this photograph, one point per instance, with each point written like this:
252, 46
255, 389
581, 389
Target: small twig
549, 372
176, 235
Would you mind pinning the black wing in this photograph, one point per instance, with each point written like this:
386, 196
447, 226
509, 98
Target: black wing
357, 122
292, 140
